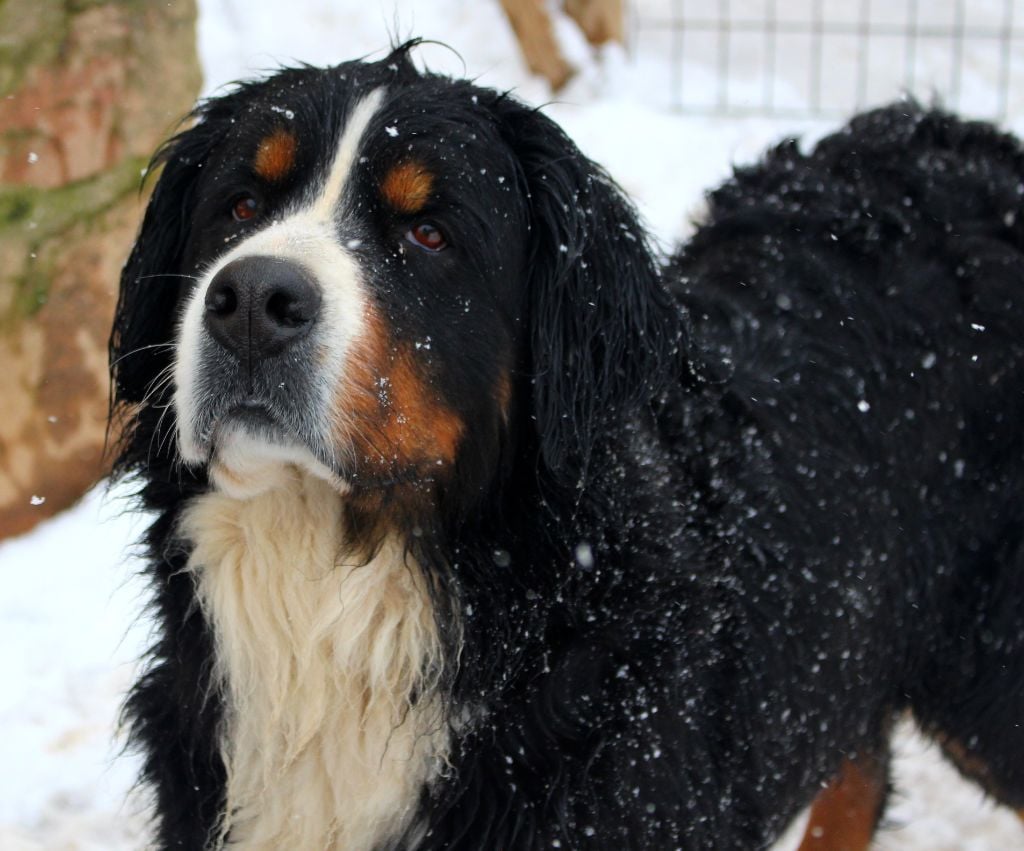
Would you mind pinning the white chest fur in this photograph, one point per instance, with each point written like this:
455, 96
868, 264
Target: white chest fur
329, 665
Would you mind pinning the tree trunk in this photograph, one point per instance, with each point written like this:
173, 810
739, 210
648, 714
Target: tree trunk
88, 90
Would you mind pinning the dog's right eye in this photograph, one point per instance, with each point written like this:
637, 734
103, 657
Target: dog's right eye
244, 208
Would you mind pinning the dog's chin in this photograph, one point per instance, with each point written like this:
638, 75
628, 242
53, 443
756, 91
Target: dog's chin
249, 455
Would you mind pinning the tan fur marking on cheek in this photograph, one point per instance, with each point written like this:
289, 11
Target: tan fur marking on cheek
362, 398
406, 187
275, 156
391, 415
420, 422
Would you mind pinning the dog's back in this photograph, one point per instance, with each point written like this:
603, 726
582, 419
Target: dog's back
858, 312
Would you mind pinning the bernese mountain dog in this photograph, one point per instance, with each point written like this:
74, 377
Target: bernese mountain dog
480, 526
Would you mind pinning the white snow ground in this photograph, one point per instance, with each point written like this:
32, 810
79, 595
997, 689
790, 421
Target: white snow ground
69, 605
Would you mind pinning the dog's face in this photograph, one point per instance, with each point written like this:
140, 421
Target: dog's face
357, 250
368, 271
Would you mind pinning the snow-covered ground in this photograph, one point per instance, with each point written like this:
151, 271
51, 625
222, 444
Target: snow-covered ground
70, 625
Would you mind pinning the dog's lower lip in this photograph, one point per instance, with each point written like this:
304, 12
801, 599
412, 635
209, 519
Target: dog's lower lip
249, 412
252, 405
251, 408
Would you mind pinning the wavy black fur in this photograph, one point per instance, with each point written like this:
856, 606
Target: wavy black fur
746, 510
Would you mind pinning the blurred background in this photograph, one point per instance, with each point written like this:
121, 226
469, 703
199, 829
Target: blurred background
667, 94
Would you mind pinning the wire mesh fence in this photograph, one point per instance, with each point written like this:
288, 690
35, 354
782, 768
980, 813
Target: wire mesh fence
809, 58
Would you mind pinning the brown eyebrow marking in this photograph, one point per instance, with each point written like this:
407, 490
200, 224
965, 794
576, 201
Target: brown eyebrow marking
275, 155
406, 187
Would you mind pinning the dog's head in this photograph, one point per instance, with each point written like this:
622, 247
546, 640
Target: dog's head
375, 273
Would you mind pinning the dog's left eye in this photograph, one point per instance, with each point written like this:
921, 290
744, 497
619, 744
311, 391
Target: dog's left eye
427, 236
244, 208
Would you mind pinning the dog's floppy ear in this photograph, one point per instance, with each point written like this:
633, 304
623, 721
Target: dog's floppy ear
603, 330
151, 279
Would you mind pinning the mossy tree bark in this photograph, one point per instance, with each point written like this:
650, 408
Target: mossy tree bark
88, 90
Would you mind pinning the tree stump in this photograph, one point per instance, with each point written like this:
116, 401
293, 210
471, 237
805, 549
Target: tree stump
87, 91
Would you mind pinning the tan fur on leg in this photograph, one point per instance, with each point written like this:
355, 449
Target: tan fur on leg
845, 814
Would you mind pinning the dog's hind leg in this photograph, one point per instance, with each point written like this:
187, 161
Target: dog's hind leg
846, 812
1003, 782
970, 698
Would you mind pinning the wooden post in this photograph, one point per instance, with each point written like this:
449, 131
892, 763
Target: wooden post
534, 30
600, 21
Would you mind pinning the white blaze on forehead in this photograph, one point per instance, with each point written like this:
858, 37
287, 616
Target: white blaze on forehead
345, 156
307, 235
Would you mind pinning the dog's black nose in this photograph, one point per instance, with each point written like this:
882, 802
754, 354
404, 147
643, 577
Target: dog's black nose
259, 305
